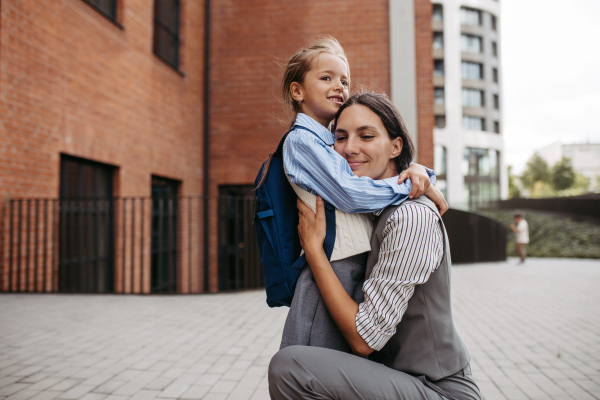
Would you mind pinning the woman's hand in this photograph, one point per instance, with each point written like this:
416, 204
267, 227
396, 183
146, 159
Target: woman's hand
434, 194
419, 177
312, 227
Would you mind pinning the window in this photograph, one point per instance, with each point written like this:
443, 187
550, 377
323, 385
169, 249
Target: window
496, 126
166, 31
495, 49
438, 67
494, 22
108, 8
495, 74
472, 98
496, 102
440, 165
473, 123
86, 227
163, 262
472, 70
440, 121
239, 263
469, 16
438, 40
438, 12
481, 171
470, 44
438, 95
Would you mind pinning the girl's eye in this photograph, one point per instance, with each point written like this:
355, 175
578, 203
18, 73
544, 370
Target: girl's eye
345, 83
325, 78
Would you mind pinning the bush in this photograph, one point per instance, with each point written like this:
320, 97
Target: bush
551, 235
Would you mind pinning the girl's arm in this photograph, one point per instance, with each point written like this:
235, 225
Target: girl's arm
317, 168
410, 251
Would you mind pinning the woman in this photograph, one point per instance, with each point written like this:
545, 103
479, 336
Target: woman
404, 325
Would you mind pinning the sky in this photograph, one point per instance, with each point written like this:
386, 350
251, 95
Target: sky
550, 54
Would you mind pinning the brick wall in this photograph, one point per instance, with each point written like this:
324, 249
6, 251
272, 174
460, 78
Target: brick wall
247, 41
74, 82
423, 46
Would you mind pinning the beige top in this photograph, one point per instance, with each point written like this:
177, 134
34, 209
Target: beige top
353, 231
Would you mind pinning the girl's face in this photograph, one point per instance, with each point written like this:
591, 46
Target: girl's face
325, 88
361, 138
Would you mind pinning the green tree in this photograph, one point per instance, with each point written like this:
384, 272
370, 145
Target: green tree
536, 171
562, 175
514, 191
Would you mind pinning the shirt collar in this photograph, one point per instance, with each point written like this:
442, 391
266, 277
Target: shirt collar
307, 122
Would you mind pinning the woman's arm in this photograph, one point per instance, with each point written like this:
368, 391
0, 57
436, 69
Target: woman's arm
411, 250
342, 308
317, 168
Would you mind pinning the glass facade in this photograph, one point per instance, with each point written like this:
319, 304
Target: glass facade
481, 171
440, 165
472, 97
469, 16
473, 123
470, 44
471, 70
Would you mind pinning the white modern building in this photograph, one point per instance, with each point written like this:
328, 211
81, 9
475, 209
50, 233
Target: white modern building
468, 139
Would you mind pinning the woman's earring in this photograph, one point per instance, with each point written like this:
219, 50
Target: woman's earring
299, 102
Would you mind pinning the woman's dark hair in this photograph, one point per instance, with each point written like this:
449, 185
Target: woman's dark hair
390, 116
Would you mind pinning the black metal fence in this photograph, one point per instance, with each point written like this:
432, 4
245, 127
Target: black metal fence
125, 245
474, 237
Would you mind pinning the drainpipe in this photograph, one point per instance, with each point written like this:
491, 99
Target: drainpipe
206, 190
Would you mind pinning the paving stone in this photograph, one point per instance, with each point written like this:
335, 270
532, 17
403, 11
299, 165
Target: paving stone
532, 331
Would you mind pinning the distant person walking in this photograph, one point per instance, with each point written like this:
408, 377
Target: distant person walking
521, 229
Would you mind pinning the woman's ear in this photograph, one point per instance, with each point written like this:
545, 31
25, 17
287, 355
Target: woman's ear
397, 145
297, 91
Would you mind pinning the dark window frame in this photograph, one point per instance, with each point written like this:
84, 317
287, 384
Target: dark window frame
159, 24
496, 102
111, 17
495, 74
440, 62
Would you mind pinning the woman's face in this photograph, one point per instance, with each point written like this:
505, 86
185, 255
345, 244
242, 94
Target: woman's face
361, 138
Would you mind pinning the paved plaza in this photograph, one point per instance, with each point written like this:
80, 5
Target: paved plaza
533, 331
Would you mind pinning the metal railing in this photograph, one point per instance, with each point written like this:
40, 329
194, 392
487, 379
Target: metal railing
126, 245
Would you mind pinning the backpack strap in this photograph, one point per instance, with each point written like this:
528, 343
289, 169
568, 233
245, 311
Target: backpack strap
279, 151
329, 210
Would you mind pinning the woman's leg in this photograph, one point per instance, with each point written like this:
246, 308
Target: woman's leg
308, 322
300, 372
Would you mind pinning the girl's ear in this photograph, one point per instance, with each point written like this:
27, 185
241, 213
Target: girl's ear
297, 91
397, 145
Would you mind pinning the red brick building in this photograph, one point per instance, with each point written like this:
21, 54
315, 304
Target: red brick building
115, 93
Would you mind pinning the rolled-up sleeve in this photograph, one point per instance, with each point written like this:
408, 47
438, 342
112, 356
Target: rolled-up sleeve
412, 248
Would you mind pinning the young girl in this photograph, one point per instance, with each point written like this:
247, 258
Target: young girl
315, 85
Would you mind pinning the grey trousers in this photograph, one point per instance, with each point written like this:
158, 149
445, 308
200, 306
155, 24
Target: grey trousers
308, 322
301, 372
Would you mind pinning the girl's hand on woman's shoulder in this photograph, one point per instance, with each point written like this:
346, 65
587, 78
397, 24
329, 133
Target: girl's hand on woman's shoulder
312, 227
419, 177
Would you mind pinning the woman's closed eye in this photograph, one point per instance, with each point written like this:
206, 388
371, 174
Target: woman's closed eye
340, 138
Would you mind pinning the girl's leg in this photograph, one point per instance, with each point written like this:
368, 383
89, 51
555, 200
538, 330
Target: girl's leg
300, 372
308, 322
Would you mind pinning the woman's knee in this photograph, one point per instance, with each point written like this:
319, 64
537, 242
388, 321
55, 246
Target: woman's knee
283, 360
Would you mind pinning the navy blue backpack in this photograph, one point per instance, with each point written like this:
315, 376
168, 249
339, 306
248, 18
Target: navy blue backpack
276, 220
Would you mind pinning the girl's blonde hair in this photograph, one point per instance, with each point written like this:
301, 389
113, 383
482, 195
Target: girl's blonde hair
295, 71
301, 62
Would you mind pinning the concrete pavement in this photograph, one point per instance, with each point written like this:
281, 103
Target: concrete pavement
533, 331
